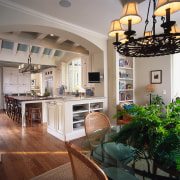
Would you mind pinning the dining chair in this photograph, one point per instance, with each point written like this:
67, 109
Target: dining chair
82, 166
95, 121
109, 153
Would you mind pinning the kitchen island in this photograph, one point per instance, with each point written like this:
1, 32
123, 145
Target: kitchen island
64, 114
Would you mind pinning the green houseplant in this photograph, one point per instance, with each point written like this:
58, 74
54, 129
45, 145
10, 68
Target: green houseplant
155, 134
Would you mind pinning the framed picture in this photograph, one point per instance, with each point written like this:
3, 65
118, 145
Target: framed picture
121, 63
156, 77
33, 82
127, 63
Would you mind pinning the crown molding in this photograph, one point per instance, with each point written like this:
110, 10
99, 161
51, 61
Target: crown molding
52, 19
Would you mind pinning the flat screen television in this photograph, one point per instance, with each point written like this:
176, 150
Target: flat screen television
93, 77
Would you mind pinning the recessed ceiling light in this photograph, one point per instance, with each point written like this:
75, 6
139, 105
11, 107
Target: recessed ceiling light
65, 3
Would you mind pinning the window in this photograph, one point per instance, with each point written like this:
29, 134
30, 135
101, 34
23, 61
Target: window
74, 74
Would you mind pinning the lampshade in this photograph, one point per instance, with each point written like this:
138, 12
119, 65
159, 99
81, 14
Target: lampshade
77, 88
175, 29
150, 88
130, 12
116, 27
123, 39
162, 5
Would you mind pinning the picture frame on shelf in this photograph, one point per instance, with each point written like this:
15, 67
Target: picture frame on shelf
124, 63
127, 63
156, 77
121, 63
123, 85
33, 82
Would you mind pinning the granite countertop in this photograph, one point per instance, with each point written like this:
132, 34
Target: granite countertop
64, 98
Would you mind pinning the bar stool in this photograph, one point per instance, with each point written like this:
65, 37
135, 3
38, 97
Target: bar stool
18, 113
34, 113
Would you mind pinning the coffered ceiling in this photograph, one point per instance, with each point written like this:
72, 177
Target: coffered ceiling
94, 15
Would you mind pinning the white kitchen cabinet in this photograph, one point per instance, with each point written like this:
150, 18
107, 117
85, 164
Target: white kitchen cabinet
10, 76
66, 117
55, 119
15, 82
52, 116
75, 109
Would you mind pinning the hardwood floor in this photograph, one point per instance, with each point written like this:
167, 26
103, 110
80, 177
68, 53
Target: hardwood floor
29, 151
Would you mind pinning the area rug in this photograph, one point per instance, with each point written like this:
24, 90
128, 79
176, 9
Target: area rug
63, 172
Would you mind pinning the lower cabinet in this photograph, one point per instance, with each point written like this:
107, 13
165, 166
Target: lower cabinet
65, 119
55, 119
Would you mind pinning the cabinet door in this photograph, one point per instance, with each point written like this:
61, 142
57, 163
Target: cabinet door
10, 76
10, 89
60, 117
52, 116
23, 82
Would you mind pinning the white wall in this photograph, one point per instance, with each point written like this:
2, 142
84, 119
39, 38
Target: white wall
142, 78
1, 89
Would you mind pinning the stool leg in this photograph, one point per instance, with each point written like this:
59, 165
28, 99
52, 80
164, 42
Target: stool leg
40, 116
28, 116
31, 116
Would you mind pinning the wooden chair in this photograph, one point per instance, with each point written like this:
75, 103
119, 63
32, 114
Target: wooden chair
7, 110
82, 167
34, 113
95, 121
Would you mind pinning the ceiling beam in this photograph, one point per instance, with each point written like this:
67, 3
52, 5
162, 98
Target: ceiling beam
41, 51
0, 44
52, 53
61, 40
41, 36
15, 48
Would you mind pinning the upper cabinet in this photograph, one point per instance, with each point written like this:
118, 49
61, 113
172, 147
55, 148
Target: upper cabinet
10, 76
15, 82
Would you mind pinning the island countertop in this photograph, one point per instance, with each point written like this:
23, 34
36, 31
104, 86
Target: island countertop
63, 98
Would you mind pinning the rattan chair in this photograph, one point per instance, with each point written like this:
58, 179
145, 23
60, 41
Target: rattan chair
109, 153
82, 167
95, 121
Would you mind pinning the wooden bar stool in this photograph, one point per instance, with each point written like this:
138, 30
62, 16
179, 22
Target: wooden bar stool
34, 113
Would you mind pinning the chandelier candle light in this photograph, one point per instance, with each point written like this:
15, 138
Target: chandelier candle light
151, 44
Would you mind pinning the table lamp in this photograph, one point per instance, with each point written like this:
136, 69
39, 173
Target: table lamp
78, 89
150, 88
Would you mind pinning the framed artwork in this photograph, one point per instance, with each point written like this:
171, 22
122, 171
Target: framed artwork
156, 77
33, 82
126, 63
121, 63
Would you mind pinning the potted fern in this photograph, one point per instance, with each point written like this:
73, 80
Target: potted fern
154, 134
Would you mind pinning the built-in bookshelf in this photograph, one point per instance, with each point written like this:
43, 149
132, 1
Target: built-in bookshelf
125, 80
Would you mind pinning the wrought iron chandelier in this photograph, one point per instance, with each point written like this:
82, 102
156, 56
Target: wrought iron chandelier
29, 68
151, 44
